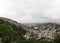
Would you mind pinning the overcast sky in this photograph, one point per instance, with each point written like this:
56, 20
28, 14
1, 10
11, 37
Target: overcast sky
31, 11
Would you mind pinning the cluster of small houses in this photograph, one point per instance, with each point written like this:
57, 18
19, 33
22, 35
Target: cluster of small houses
41, 32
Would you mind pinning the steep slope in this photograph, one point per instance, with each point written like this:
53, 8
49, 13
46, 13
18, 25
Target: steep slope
10, 30
11, 21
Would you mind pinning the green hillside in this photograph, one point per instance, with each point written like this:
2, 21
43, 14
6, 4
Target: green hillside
11, 33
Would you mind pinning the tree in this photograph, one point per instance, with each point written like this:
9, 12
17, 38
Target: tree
57, 39
9, 32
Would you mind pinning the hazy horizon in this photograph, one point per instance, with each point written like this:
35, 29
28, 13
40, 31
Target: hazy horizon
31, 11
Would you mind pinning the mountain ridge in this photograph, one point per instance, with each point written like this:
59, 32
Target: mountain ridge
36, 31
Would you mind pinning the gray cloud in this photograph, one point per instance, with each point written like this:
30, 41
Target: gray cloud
31, 11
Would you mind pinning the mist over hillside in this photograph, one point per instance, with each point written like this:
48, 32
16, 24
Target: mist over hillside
12, 31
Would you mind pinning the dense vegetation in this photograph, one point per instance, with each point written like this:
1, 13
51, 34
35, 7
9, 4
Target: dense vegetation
10, 33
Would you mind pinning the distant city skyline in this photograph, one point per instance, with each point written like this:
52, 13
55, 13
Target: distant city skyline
31, 11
